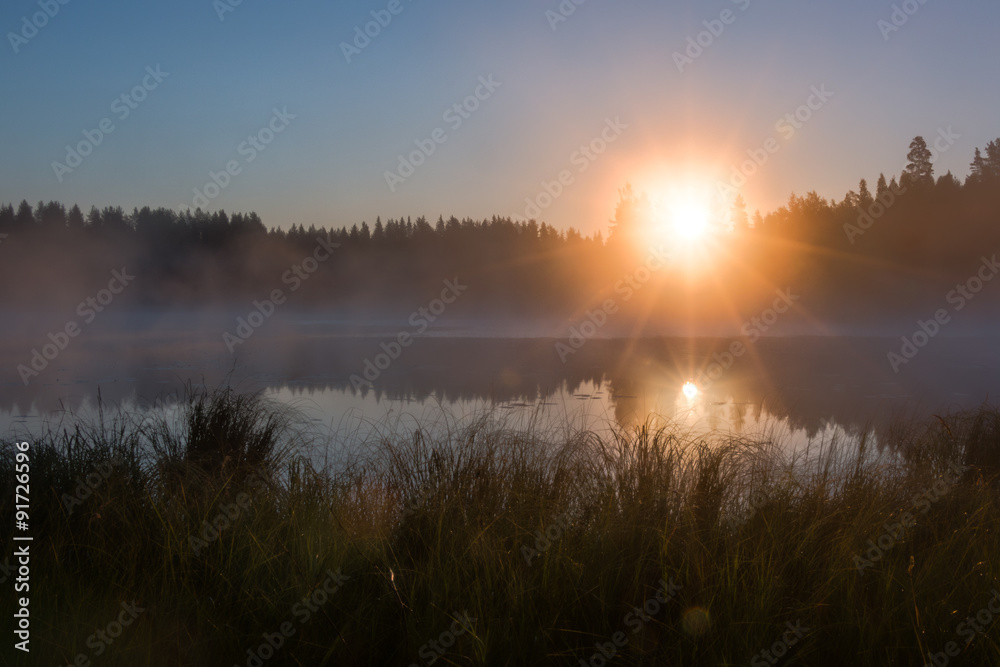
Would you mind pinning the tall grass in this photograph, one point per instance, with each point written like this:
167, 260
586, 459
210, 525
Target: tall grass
550, 545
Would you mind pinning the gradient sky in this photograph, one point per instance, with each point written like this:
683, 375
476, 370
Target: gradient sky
608, 59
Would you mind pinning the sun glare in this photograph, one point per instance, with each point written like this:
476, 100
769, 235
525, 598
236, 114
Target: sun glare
683, 214
690, 390
690, 219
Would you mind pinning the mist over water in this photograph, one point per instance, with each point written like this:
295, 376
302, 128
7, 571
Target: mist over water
790, 388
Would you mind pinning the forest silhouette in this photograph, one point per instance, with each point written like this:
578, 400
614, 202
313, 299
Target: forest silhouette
884, 253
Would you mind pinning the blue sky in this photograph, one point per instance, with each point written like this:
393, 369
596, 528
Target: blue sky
558, 88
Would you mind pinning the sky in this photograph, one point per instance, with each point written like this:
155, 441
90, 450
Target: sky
330, 113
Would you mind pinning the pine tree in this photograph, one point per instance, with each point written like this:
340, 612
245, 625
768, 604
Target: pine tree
920, 170
75, 218
25, 219
977, 173
865, 199
881, 187
949, 182
992, 162
94, 221
115, 221
422, 228
6, 218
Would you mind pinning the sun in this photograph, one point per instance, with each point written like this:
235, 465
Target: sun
690, 218
683, 214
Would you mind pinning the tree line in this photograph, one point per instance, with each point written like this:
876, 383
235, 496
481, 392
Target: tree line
878, 252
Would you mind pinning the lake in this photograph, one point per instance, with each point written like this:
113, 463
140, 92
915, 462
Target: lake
796, 389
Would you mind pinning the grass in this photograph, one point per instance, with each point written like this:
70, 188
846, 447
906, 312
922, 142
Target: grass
549, 545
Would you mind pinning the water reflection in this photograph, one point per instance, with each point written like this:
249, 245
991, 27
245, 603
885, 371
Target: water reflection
690, 391
807, 384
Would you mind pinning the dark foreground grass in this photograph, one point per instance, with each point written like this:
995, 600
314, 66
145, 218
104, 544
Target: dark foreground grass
494, 547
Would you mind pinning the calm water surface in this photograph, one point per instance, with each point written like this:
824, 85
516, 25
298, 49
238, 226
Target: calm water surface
795, 389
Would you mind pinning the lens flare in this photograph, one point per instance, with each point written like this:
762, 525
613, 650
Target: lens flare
696, 621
